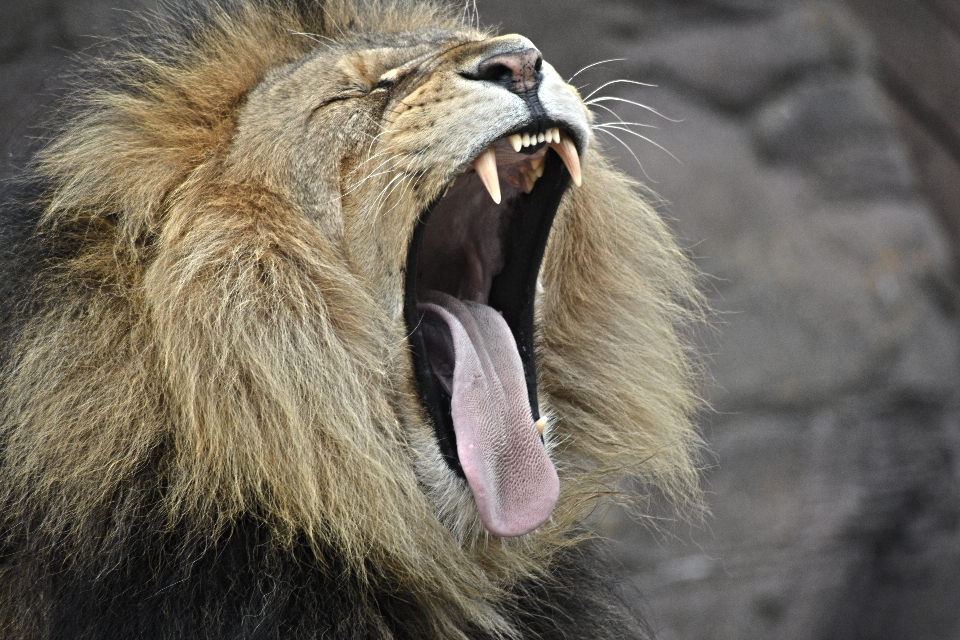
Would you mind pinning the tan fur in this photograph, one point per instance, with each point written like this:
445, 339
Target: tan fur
238, 297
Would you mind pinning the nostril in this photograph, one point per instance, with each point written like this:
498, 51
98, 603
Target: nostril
496, 72
518, 71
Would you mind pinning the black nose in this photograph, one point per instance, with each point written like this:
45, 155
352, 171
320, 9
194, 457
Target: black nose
518, 71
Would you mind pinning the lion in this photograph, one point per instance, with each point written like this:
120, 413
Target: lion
329, 318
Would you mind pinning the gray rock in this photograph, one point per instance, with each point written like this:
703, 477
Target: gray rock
838, 127
822, 113
20, 23
735, 64
813, 300
756, 6
821, 526
83, 21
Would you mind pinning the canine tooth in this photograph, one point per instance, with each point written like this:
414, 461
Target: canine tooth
516, 141
568, 153
526, 139
540, 424
486, 167
541, 137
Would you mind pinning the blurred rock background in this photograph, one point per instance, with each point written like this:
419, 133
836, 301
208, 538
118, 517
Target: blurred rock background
808, 153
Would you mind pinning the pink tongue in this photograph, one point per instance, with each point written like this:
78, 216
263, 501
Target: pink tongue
513, 480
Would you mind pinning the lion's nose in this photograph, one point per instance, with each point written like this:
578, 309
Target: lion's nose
518, 71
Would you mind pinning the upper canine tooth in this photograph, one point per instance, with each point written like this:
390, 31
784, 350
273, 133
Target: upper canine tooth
568, 153
486, 167
516, 141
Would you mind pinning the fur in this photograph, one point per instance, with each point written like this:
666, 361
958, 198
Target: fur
208, 422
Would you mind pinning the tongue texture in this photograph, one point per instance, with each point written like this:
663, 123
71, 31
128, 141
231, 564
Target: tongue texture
473, 354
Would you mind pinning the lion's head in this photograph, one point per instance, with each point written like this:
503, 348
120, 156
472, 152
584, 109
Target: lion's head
358, 270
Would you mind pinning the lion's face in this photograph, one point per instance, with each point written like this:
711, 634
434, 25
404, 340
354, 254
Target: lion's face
453, 152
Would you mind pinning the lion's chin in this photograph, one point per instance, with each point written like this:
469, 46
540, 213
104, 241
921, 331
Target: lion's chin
471, 282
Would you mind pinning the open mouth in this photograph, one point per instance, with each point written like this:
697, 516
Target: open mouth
471, 281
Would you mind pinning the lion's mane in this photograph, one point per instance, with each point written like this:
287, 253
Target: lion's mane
198, 377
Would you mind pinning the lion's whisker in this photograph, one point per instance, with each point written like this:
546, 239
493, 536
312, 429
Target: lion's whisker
315, 37
629, 150
609, 110
642, 137
633, 102
619, 81
623, 123
593, 64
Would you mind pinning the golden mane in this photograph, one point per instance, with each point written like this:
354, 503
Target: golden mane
244, 365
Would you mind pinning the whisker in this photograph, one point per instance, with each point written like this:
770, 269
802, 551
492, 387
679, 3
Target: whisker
380, 154
634, 103
608, 109
470, 13
388, 189
620, 81
643, 137
630, 151
316, 38
593, 64
627, 124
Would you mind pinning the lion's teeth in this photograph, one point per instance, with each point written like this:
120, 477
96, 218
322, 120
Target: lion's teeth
568, 153
529, 179
516, 141
540, 424
486, 167
541, 137
526, 139
536, 165
555, 134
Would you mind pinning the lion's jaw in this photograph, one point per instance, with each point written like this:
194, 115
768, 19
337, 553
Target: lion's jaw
428, 125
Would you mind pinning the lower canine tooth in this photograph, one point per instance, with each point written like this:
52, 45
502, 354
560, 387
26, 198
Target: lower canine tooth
540, 424
486, 167
568, 153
